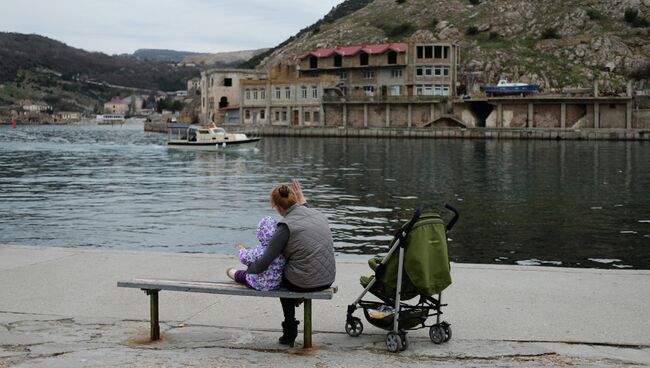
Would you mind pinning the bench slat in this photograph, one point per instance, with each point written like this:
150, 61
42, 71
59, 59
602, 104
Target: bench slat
220, 287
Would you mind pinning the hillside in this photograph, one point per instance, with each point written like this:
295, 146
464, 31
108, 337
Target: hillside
555, 42
32, 52
163, 55
223, 59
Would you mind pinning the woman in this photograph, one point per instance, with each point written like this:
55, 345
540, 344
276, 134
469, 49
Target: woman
303, 237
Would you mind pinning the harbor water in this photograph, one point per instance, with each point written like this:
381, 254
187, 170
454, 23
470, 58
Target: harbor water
555, 203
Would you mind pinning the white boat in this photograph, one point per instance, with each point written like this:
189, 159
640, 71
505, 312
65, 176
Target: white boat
110, 119
207, 138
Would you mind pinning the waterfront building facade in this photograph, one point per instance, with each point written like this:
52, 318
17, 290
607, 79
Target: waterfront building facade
220, 88
117, 106
285, 98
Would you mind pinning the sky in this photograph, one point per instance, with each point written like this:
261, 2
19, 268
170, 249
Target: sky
123, 26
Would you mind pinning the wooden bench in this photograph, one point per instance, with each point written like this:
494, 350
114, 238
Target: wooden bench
153, 286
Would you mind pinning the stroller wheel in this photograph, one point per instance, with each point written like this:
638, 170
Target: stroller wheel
437, 334
394, 342
405, 340
354, 327
447, 328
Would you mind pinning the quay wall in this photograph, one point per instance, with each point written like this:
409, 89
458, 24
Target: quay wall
428, 133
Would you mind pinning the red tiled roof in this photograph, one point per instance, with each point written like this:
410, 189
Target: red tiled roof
230, 107
352, 50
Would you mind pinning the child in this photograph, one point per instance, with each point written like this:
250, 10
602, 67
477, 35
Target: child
272, 277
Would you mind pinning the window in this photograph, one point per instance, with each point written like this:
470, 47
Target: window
262, 114
247, 114
424, 90
428, 52
303, 91
248, 94
307, 116
440, 70
392, 57
314, 91
437, 90
442, 90
263, 94
369, 90
344, 91
363, 59
445, 52
419, 71
284, 115
420, 52
338, 60
396, 73
254, 94
368, 74
203, 101
227, 82
316, 116
428, 71
344, 75
313, 62
277, 115
438, 52
278, 93
211, 82
287, 92
396, 90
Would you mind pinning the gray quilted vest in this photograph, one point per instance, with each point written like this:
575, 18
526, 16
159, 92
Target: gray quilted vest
310, 249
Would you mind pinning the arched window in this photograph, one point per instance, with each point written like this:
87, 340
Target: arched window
223, 102
363, 59
392, 57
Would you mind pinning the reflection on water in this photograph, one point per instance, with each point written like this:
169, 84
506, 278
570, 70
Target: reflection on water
522, 202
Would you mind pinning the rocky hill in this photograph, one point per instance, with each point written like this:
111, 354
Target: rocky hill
556, 42
223, 59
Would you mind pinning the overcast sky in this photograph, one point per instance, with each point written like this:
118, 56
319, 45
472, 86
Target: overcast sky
123, 26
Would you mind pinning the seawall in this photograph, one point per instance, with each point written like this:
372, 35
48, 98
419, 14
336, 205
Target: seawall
429, 133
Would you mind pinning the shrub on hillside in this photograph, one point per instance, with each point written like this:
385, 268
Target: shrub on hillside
550, 33
471, 30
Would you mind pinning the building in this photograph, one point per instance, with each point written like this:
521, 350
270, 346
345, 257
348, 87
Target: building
117, 106
391, 84
284, 99
193, 86
29, 106
221, 88
67, 116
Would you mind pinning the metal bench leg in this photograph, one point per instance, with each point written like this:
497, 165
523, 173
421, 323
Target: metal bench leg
155, 323
307, 332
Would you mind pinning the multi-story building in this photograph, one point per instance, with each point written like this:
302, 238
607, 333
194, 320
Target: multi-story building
284, 98
220, 88
117, 106
387, 70
405, 84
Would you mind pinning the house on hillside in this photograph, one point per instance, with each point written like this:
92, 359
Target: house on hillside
30, 107
117, 106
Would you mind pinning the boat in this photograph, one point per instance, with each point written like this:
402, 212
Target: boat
110, 119
506, 88
207, 138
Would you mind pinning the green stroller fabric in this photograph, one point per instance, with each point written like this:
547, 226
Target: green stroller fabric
426, 262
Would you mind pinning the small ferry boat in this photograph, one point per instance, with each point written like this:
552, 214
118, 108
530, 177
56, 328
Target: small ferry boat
506, 88
110, 119
207, 137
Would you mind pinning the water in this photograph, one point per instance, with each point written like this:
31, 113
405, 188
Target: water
583, 204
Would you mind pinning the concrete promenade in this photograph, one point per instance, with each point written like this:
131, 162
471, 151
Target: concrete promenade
60, 307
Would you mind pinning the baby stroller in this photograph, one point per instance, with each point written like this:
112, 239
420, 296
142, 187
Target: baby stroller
421, 269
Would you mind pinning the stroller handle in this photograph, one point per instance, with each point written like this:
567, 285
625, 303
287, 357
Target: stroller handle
452, 222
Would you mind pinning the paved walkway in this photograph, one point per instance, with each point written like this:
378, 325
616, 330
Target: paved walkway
61, 307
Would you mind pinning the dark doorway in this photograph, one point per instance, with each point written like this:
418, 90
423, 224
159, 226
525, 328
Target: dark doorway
363, 58
481, 111
338, 60
296, 117
392, 57
313, 62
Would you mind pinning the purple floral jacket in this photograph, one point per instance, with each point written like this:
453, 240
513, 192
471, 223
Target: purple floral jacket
272, 277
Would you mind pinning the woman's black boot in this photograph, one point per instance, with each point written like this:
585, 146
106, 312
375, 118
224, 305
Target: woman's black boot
289, 332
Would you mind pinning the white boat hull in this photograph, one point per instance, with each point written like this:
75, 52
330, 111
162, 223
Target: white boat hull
235, 145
